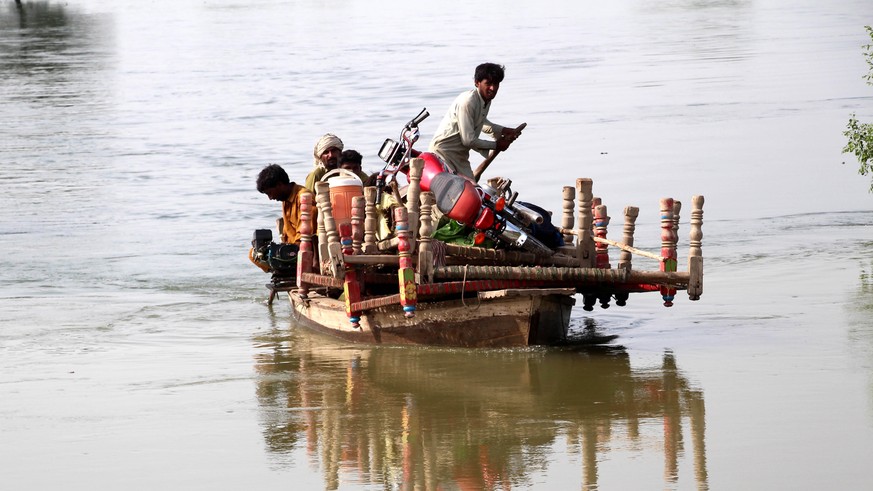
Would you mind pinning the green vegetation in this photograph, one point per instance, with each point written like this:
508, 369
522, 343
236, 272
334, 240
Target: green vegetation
860, 135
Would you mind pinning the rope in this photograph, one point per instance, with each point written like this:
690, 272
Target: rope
464, 290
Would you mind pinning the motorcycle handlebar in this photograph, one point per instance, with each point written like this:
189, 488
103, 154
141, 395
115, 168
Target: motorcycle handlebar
418, 119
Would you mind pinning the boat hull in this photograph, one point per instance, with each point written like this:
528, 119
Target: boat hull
508, 318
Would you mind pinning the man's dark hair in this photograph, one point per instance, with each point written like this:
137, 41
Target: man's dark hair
351, 157
489, 71
271, 176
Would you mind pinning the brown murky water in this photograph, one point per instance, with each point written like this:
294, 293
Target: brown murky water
136, 349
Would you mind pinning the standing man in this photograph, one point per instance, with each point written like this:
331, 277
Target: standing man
327, 152
458, 133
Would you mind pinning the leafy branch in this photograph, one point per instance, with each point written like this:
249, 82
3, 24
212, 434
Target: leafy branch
860, 135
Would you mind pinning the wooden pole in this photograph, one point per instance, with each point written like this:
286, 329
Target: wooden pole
322, 237
601, 221
371, 221
695, 253
424, 272
305, 254
351, 287
413, 196
577, 276
405, 272
668, 248
625, 258
569, 202
359, 204
584, 244
334, 249
491, 156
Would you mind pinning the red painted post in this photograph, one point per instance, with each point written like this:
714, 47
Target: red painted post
668, 248
305, 257
351, 286
406, 273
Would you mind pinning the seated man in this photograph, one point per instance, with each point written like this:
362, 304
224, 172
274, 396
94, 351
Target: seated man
351, 160
327, 153
274, 182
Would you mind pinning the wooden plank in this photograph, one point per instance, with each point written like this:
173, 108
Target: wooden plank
526, 292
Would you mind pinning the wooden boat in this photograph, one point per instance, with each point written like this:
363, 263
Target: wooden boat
411, 289
495, 318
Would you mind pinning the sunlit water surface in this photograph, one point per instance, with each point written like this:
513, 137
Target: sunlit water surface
136, 347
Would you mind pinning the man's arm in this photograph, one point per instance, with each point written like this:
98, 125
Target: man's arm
467, 113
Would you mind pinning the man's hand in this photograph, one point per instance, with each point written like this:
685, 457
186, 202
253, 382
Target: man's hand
507, 136
511, 134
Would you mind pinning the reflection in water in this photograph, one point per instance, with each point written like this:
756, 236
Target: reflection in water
467, 419
860, 311
41, 39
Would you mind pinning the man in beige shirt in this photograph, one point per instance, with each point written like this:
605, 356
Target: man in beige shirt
459, 131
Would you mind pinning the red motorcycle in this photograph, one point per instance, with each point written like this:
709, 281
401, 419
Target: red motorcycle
494, 213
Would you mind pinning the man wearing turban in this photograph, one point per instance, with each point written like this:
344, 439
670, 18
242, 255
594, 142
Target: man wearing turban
327, 153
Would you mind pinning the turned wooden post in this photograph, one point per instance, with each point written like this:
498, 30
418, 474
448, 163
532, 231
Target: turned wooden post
322, 236
405, 272
305, 253
625, 258
677, 208
425, 254
595, 202
668, 248
413, 197
371, 221
584, 244
569, 196
351, 287
358, 216
695, 254
601, 221
334, 249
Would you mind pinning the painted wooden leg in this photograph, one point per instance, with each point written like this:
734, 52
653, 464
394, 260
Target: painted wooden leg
405, 273
351, 286
305, 254
569, 196
625, 258
425, 254
695, 253
371, 221
668, 248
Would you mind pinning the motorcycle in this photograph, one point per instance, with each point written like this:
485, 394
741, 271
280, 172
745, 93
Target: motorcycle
493, 212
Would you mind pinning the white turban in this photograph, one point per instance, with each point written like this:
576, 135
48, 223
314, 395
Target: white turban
327, 141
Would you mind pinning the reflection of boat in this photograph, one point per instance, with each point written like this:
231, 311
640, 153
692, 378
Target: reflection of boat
443, 419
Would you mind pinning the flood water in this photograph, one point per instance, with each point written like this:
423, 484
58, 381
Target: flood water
137, 350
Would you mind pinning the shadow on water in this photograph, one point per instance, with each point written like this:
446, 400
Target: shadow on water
468, 419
